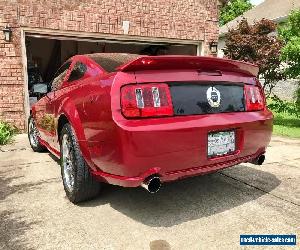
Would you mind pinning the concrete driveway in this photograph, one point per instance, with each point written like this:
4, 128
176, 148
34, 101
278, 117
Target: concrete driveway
206, 212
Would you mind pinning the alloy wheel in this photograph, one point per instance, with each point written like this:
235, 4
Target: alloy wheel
67, 163
33, 133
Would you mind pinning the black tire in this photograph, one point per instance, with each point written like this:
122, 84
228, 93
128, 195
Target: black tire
84, 186
33, 136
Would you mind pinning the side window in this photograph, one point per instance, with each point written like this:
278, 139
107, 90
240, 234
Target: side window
59, 76
77, 72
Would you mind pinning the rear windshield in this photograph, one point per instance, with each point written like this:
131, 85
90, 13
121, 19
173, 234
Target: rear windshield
110, 61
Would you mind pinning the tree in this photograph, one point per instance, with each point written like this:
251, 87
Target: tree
232, 9
256, 44
290, 34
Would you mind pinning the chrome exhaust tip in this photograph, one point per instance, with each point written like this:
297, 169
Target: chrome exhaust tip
152, 184
259, 160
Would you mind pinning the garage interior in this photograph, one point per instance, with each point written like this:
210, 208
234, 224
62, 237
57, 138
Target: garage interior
46, 54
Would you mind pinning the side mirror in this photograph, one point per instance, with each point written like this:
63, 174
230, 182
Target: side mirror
40, 88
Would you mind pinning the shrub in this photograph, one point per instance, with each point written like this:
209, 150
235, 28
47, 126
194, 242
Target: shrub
6, 132
256, 44
297, 97
280, 106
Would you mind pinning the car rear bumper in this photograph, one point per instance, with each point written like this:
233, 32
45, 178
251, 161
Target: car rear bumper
170, 176
176, 147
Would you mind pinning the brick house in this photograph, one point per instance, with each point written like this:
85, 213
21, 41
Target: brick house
46, 33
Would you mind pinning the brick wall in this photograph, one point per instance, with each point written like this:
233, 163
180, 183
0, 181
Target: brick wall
11, 69
181, 19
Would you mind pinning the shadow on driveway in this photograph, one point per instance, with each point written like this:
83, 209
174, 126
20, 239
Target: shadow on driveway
184, 200
13, 226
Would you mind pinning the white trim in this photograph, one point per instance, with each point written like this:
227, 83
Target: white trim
200, 49
94, 37
25, 74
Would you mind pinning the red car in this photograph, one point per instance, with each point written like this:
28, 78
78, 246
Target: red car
133, 120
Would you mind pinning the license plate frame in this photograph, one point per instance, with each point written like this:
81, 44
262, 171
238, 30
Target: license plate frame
221, 143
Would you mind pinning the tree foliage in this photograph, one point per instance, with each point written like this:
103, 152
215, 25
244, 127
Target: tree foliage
256, 44
232, 9
290, 34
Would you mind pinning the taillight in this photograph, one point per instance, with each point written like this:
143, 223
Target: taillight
146, 100
254, 98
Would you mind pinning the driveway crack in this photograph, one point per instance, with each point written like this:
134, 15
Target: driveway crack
12, 150
259, 189
26, 163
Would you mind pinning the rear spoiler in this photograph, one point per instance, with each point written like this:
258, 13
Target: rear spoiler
202, 64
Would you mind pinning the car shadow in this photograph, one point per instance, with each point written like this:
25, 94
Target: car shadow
184, 200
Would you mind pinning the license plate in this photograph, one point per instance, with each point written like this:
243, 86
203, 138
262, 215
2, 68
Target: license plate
220, 143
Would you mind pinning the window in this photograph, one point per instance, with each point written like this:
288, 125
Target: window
63, 68
77, 72
110, 61
59, 76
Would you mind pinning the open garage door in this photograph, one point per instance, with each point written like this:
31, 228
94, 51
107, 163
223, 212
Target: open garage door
45, 54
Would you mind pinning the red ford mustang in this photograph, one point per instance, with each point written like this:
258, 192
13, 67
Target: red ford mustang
134, 120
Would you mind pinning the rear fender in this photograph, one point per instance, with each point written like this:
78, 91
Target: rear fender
68, 109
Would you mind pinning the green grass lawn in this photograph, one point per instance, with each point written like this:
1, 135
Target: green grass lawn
286, 125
